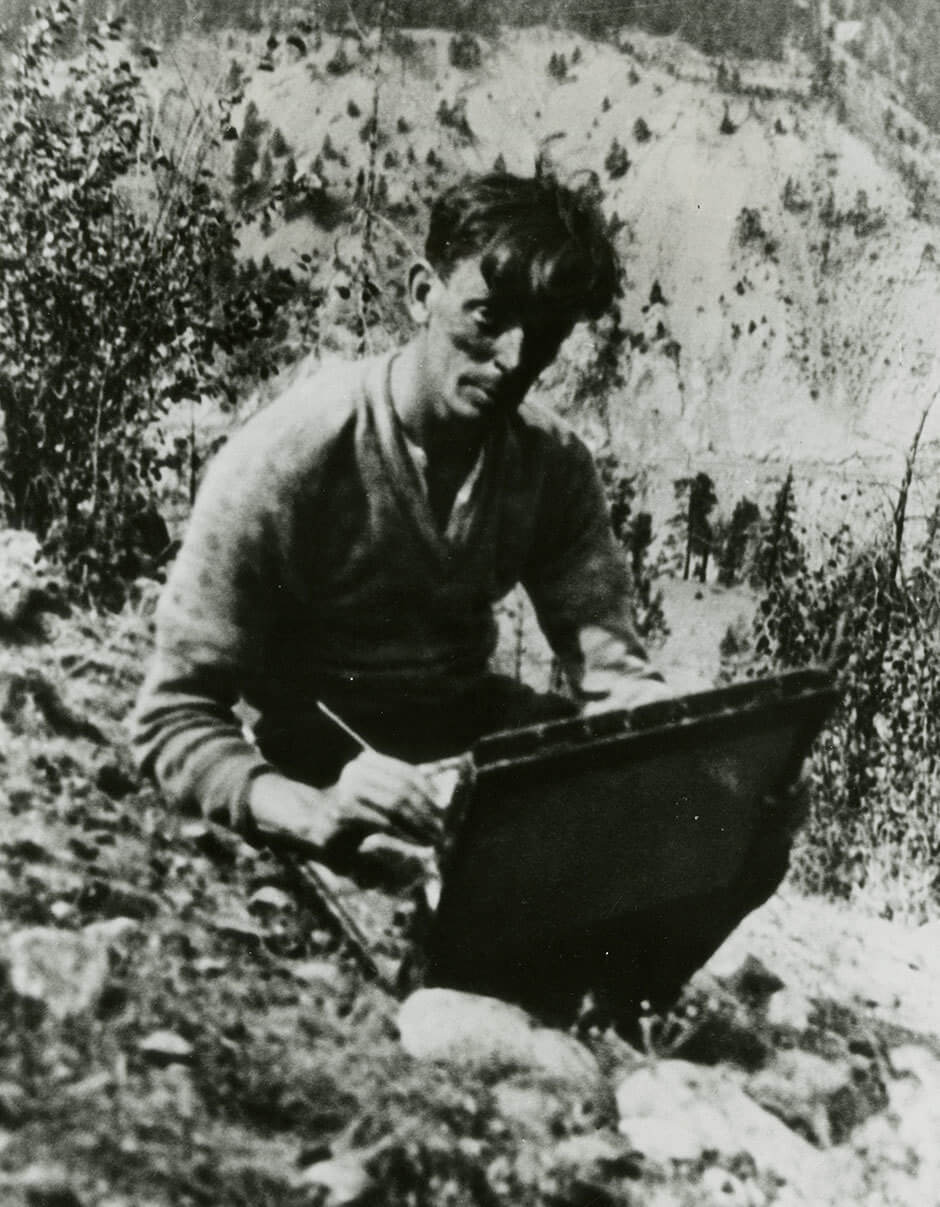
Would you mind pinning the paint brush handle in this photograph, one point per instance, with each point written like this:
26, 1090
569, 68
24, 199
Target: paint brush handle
356, 737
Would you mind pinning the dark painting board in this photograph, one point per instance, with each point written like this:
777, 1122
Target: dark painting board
578, 825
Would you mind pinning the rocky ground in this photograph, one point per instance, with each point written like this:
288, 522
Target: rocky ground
182, 1023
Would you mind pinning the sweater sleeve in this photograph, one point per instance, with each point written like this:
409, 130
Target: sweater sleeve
219, 602
579, 581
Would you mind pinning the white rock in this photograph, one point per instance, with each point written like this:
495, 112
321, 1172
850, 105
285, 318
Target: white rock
798, 1087
268, 897
112, 930
789, 1008
343, 1178
674, 1110
593, 1152
472, 1031
164, 1047
66, 970
322, 975
23, 571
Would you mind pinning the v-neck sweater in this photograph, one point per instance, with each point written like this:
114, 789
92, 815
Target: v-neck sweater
313, 569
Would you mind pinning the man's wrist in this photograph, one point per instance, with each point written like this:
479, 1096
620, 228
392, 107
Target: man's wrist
281, 808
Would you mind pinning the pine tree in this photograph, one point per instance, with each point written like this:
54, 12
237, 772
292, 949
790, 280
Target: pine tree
780, 552
744, 521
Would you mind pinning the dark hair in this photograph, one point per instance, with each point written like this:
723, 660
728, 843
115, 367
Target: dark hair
538, 240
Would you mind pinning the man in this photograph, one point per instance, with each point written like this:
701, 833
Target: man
349, 543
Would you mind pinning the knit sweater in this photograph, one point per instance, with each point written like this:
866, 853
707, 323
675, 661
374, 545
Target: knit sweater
312, 568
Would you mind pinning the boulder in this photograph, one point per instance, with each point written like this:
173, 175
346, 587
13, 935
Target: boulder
112, 931
486, 1035
677, 1111
789, 1009
65, 970
28, 587
165, 1047
323, 976
269, 900
803, 1090
342, 1180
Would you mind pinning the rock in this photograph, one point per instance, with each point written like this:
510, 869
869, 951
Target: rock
598, 1154
533, 1112
344, 1180
238, 925
790, 1009
65, 970
44, 1185
269, 899
676, 1111
485, 1034
538, 1110
321, 975
112, 931
803, 1090
28, 587
165, 1047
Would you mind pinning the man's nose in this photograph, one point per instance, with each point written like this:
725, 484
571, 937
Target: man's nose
508, 350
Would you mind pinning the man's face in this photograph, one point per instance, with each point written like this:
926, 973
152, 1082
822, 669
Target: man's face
483, 352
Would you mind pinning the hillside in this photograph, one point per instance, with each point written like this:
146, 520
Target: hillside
186, 1019
787, 218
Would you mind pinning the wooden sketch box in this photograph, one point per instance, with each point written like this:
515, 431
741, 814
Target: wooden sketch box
570, 832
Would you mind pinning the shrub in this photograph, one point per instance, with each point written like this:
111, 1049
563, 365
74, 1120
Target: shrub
875, 774
454, 117
616, 161
110, 314
740, 534
558, 67
465, 52
634, 532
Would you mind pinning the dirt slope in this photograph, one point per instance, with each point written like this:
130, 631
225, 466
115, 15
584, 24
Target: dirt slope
183, 1024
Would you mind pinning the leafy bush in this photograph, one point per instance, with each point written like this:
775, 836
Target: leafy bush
634, 531
616, 161
738, 538
111, 311
875, 774
465, 52
454, 117
558, 67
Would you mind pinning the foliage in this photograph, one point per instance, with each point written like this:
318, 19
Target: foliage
465, 52
616, 161
454, 117
113, 306
696, 500
779, 551
738, 538
875, 774
247, 188
558, 67
634, 532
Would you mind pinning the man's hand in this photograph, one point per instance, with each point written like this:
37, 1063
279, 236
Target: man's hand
373, 794
626, 692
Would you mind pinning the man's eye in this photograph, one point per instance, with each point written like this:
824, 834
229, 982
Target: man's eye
485, 318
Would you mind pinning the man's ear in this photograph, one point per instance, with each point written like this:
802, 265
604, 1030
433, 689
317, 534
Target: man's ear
421, 282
